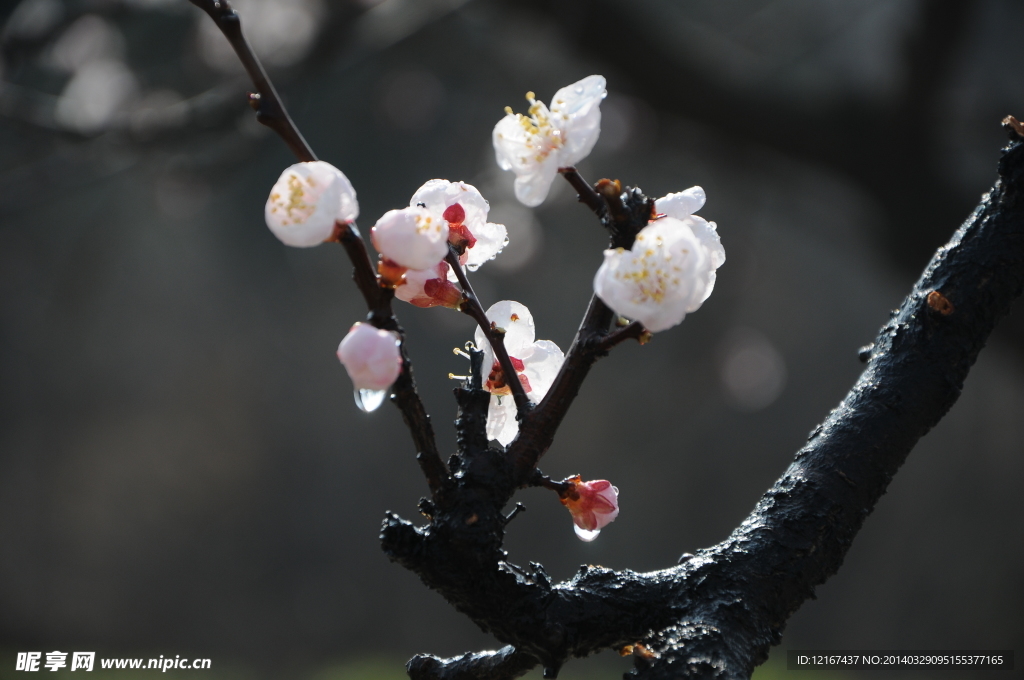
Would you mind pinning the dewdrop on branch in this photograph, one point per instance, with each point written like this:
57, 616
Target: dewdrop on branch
535, 145
536, 364
670, 270
373, 361
307, 200
593, 506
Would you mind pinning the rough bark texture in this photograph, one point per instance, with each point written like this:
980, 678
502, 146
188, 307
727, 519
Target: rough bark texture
717, 614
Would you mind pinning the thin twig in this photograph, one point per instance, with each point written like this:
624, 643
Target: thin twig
631, 331
584, 191
265, 101
496, 337
624, 214
272, 113
538, 431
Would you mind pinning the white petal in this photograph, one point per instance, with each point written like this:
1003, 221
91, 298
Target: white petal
501, 419
681, 204
532, 188
661, 279
576, 111
490, 239
513, 145
542, 366
412, 237
306, 201
519, 331
707, 233
438, 194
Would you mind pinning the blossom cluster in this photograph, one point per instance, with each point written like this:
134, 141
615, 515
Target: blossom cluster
443, 233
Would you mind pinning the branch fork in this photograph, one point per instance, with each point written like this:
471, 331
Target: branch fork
717, 613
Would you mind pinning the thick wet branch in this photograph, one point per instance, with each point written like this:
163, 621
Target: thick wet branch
503, 664
717, 614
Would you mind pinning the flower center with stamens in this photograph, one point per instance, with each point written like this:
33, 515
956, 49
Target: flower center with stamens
496, 383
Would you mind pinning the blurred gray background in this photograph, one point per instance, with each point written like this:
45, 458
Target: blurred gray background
182, 468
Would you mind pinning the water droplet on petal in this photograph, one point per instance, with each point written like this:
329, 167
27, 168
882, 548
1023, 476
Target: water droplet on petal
585, 535
369, 401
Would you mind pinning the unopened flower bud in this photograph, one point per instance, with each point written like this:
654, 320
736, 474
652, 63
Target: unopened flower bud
371, 357
593, 506
306, 202
430, 288
412, 237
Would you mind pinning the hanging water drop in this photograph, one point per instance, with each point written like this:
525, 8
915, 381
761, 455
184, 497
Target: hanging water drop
585, 535
369, 401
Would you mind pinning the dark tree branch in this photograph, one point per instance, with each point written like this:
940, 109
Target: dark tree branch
504, 664
496, 337
272, 113
265, 101
717, 614
624, 213
585, 192
631, 331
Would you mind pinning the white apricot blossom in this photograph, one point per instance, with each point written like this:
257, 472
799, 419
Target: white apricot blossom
534, 146
306, 201
411, 237
536, 364
670, 270
373, 361
465, 210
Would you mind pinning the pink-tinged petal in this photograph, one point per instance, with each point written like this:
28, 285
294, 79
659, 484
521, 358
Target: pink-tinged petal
371, 357
593, 505
430, 288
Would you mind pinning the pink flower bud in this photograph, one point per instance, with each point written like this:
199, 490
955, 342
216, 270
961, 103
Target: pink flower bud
412, 237
371, 357
429, 288
593, 505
